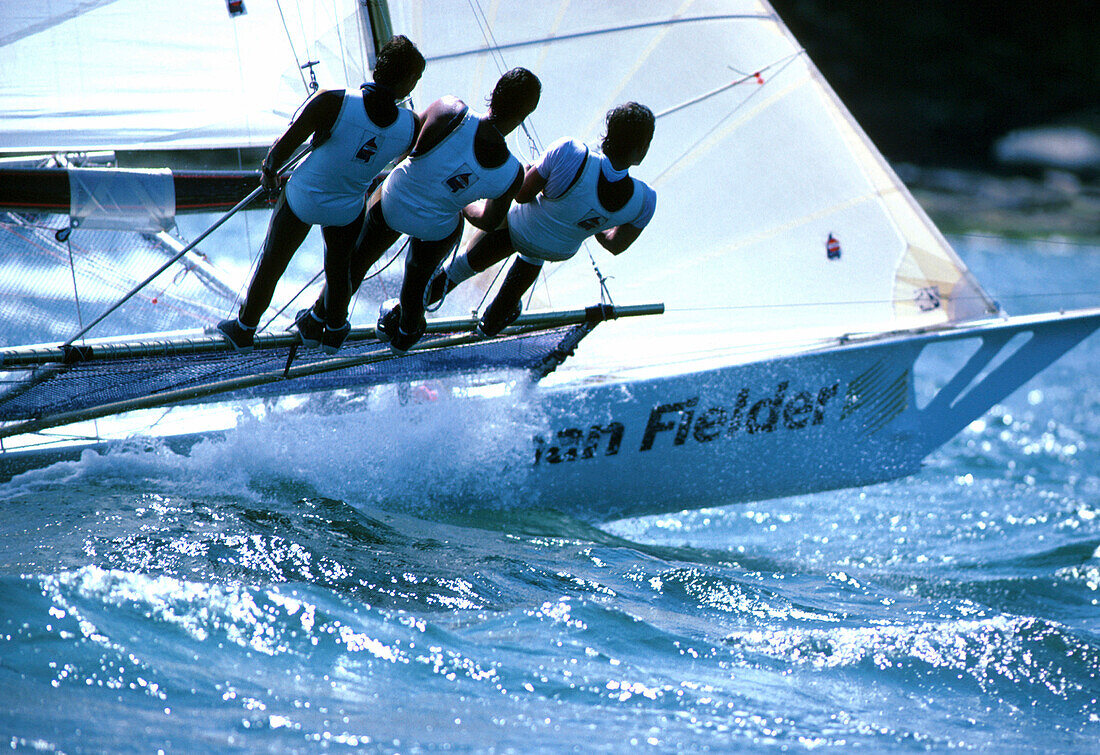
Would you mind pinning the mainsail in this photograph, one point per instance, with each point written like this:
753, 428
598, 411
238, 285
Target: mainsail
129, 74
776, 217
125, 75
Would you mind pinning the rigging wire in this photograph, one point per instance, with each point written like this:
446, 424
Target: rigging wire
79, 314
340, 41
305, 43
487, 33
247, 114
535, 147
875, 302
783, 63
533, 141
290, 42
317, 277
1050, 242
76, 290
494, 49
757, 76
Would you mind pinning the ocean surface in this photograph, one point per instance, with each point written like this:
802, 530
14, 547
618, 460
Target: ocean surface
150, 601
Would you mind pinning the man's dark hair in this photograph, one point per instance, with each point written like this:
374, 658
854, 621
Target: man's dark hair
628, 126
396, 60
515, 89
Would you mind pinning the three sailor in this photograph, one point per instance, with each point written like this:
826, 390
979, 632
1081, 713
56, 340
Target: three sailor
456, 168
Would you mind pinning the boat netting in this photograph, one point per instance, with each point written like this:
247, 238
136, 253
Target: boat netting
182, 370
54, 278
51, 286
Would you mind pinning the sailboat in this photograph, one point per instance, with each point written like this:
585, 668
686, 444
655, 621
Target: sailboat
804, 296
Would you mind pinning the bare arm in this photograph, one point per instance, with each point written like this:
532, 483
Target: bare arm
533, 183
418, 123
489, 213
317, 117
438, 120
616, 240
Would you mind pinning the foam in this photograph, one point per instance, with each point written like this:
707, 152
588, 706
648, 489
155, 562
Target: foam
446, 451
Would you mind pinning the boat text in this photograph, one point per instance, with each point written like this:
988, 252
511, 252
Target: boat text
676, 422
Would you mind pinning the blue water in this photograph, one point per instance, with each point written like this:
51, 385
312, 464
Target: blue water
150, 601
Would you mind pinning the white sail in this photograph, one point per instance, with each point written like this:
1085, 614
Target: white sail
756, 163
777, 220
131, 74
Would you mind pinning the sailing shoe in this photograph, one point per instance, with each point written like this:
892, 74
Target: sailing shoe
389, 315
489, 325
389, 329
333, 338
239, 336
310, 328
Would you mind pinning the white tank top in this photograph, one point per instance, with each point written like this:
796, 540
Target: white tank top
553, 229
329, 187
424, 195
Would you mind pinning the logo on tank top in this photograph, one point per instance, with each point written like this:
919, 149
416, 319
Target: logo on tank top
368, 150
461, 179
592, 221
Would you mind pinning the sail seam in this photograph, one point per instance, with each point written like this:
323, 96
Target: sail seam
597, 32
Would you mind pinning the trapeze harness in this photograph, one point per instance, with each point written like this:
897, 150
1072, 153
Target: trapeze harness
424, 195
552, 229
328, 188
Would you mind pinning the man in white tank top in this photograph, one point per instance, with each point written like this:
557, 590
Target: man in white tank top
460, 168
355, 136
568, 195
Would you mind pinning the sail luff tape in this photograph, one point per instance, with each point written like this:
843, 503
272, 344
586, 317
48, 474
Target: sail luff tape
127, 200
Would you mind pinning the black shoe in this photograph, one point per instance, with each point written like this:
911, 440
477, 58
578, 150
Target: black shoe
333, 338
310, 329
240, 337
389, 329
490, 326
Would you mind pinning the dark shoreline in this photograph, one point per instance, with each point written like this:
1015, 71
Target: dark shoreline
959, 201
